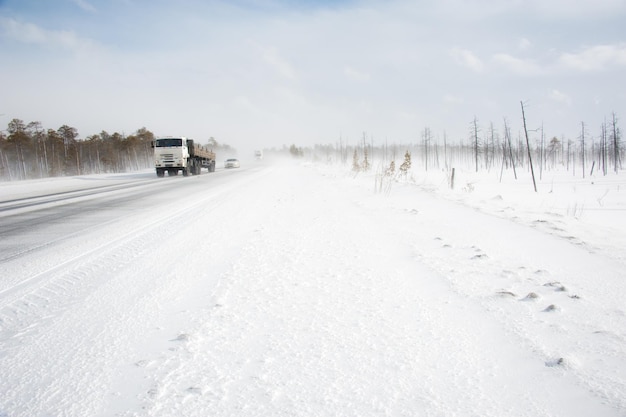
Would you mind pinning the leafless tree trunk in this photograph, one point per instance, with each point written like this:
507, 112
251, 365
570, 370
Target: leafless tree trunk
507, 137
490, 151
77, 159
530, 160
426, 139
582, 144
445, 151
475, 139
616, 146
542, 154
603, 148
5, 169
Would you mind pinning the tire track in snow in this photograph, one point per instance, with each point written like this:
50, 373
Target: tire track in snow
92, 341
61, 219
43, 293
8, 207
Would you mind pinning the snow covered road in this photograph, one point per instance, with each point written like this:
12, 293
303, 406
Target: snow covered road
291, 290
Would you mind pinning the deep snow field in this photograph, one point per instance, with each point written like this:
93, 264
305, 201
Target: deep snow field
300, 289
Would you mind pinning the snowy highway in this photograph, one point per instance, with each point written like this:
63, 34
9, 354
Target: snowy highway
70, 226
62, 245
296, 290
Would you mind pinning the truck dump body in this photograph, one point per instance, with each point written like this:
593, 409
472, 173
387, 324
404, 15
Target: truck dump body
200, 151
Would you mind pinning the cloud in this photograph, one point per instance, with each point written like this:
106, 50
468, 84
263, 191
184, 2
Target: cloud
517, 66
567, 8
32, 34
524, 44
244, 103
355, 75
596, 58
560, 97
452, 99
84, 5
551, 9
467, 59
22, 32
272, 57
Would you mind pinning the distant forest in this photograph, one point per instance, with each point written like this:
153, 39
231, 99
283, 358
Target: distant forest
488, 149
29, 151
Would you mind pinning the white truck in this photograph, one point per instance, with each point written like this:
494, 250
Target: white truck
174, 154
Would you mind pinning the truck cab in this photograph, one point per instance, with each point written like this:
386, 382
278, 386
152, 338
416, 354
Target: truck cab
171, 155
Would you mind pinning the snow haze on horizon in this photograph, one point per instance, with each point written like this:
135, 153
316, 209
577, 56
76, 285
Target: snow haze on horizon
263, 73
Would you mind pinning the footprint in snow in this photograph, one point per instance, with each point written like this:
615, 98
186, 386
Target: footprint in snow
556, 285
567, 362
183, 337
444, 245
194, 390
555, 362
551, 308
505, 294
531, 297
609, 335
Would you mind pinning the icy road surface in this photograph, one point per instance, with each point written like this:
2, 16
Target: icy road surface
296, 290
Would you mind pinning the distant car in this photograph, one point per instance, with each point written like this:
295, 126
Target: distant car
231, 163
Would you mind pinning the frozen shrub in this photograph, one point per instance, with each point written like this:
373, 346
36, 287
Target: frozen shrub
356, 167
391, 170
406, 165
366, 162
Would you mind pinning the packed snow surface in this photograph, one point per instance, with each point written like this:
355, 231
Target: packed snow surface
296, 289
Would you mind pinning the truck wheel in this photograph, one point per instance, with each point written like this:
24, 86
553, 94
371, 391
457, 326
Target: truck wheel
160, 173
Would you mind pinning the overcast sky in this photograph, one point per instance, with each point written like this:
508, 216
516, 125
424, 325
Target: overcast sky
262, 73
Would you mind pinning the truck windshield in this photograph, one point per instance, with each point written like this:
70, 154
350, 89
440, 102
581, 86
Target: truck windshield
164, 143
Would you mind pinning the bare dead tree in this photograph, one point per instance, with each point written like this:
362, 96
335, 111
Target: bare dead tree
616, 145
475, 140
542, 153
553, 148
490, 148
530, 160
426, 137
569, 147
603, 148
507, 136
445, 150
582, 145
